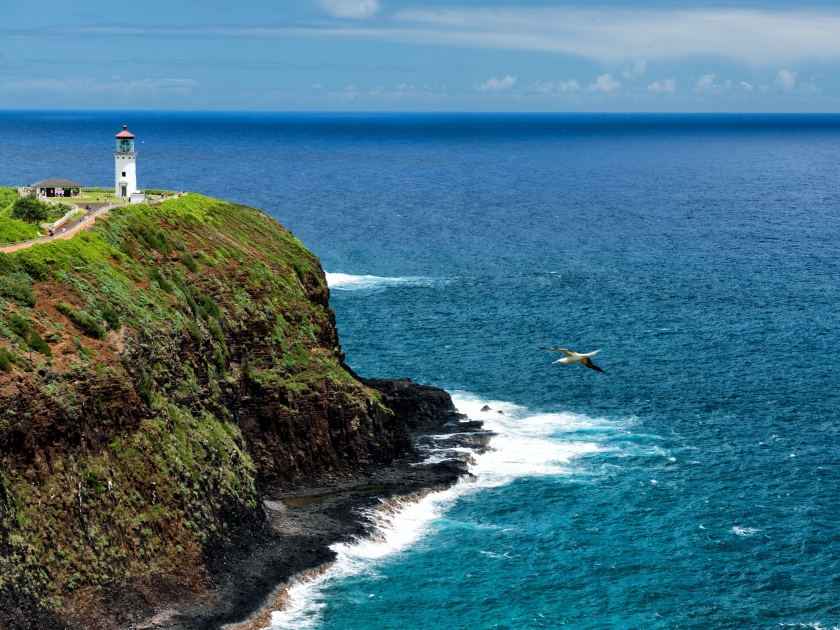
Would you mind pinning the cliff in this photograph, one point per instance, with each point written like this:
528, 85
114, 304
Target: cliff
157, 374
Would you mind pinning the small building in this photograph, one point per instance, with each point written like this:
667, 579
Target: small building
57, 187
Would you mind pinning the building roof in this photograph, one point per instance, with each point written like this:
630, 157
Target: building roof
56, 182
125, 133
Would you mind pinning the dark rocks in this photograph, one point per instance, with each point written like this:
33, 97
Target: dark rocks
421, 407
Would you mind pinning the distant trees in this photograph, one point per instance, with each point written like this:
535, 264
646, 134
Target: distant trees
30, 209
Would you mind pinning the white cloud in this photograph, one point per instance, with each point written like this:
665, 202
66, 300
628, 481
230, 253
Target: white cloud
751, 35
663, 87
317, 86
786, 80
635, 71
497, 85
706, 83
347, 94
747, 86
356, 9
549, 87
759, 37
605, 83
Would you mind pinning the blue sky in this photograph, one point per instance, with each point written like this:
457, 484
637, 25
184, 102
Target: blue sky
408, 55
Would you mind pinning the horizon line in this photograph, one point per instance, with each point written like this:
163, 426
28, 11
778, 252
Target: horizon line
423, 112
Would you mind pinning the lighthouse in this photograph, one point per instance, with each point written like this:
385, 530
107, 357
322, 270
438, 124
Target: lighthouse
125, 165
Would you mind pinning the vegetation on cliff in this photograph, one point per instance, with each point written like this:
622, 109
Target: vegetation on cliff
155, 373
12, 230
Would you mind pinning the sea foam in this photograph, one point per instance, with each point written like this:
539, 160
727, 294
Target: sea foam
525, 445
349, 282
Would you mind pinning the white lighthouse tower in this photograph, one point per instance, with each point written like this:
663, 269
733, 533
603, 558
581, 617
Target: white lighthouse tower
125, 165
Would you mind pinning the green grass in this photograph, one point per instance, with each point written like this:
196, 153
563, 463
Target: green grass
12, 231
7, 198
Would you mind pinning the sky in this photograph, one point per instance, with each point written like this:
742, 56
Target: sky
411, 55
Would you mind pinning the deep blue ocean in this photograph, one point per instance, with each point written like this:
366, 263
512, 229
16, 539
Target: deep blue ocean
695, 484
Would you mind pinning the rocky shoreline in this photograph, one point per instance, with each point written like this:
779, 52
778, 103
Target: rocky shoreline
249, 571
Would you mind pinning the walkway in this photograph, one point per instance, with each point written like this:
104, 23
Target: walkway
67, 230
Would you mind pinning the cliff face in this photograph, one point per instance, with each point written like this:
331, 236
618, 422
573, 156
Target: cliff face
155, 374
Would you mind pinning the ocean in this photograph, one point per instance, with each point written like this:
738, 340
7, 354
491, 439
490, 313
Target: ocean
694, 484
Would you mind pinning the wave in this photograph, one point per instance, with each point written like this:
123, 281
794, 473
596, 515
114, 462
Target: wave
348, 282
744, 531
528, 445
525, 445
397, 524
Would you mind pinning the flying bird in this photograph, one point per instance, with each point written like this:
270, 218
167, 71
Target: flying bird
574, 357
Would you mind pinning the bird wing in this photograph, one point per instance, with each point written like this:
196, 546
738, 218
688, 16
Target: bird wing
590, 354
588, 363
568, 353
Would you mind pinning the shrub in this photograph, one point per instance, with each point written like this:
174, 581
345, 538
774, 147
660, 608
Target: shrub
12, 231
217, 333
219, 361
83, 320
6, 359
187, 296
207, 304
92, 479
36, 268
110, 316
125, 248
156, 275
37, 343
189, 261
54, 213
195, 333
16, 287
152, 238
19, 325
30, 209
7, 264
145, 388
204, 258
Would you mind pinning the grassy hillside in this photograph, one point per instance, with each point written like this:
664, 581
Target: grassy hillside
155, 373
12, 231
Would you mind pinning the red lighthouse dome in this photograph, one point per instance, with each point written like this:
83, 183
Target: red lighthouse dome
125, 133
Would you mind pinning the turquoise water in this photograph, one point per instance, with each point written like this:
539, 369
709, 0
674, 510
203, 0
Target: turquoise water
695, 484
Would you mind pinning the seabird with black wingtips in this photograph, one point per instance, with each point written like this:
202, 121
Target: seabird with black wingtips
574, 357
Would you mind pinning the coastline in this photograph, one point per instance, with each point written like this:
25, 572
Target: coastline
251, 571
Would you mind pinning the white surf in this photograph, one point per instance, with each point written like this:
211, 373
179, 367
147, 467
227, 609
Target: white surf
349, 282
525, 445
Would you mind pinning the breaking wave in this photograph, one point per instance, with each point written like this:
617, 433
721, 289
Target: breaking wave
525, 445
349, 282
